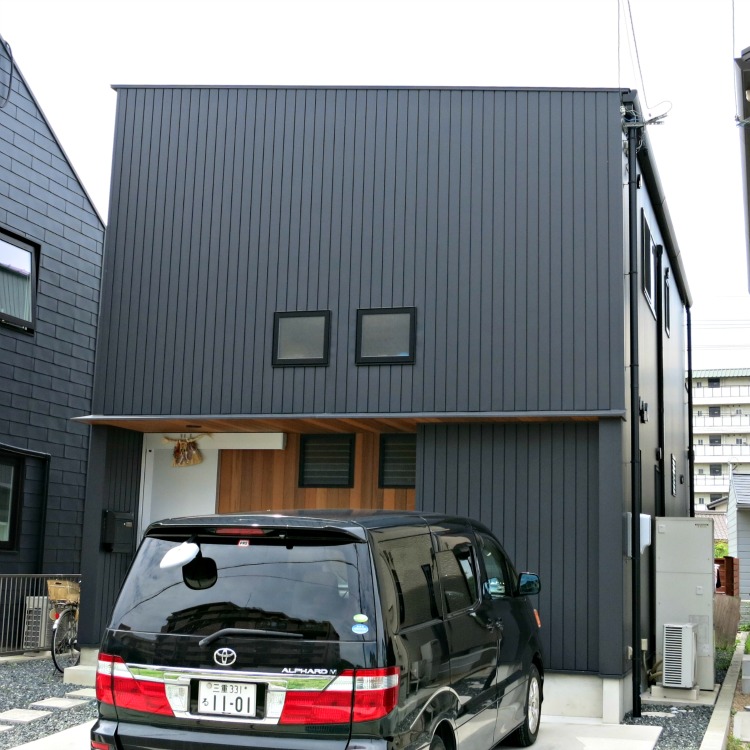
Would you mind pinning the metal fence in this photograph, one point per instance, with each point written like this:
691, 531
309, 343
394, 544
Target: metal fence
25, 609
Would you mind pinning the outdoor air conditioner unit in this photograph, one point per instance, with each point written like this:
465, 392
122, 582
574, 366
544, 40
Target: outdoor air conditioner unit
680, 655
37, 625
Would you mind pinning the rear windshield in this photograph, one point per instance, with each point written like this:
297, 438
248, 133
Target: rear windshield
318, 590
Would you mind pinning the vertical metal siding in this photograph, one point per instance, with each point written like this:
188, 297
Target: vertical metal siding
497, 214
537, 487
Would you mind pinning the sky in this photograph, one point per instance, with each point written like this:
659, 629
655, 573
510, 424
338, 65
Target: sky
678, 54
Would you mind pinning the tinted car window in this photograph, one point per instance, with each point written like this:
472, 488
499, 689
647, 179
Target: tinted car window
314, 590
409, 564
458, 573
499, 581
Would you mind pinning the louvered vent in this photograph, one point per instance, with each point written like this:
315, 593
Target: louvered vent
680, 655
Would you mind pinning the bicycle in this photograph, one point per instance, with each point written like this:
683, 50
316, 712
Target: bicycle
64, 597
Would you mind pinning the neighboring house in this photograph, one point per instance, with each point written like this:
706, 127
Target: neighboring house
400, 298
721, 430
738, 527
51, 241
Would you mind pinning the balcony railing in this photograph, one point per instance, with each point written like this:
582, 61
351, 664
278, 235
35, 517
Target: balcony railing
727, 392
723, 451
721, 422
710, 483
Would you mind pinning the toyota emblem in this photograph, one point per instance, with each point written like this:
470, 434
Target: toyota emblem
225, 657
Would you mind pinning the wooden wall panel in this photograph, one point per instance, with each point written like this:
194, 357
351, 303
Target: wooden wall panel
268, 480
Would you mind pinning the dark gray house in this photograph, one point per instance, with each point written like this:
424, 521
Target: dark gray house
51, 243
466, 300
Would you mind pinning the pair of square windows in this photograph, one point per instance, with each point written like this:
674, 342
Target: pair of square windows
384, 336
328, 461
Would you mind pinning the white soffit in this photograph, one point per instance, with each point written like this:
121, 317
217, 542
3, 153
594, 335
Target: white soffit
237, 441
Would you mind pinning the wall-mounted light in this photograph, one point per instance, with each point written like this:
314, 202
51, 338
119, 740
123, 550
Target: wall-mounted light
644, 412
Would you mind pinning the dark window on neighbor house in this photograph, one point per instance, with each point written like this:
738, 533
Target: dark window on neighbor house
398, 461
714, 496
326, 461
715, 470
714, 440
386, 336
714, 382
700, 413
714, 411
667, 305
674, 476
17, 282
301, 338
648, 257
11, 472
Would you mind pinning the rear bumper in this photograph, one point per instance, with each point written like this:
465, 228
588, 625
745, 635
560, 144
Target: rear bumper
122, 736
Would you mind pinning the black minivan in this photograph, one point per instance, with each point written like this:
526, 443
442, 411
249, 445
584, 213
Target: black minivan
320, 630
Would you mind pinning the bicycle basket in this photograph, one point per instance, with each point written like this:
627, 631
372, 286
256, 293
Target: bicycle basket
64, 591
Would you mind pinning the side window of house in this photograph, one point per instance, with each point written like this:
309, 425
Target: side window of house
648, 262
499, 577
410, 565
326, 461
11, 469
17, 282
457, 568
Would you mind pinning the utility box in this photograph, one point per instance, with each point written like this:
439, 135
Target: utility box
685, 586
117, 531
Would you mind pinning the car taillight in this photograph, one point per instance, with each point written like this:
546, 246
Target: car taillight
116, 685
364, 695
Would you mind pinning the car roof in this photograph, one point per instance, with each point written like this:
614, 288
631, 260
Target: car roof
353, 521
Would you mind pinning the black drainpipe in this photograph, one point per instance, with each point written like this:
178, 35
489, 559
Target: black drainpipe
46, 457
691, 452
635, 449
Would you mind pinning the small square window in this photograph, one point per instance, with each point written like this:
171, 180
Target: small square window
398, 460
10, 494
714, 411
714, 440
714, 382
326, 461
17, 282
301, 338
386, 336
715, 470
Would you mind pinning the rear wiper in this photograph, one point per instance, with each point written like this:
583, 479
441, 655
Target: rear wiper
247, 631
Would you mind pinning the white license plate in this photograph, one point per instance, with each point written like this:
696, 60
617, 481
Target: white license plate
226, 698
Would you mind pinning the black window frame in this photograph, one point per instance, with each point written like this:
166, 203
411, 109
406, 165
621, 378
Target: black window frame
28, 326
648, 264
407, 359
306, 440
16, 493
397, 437
321, 361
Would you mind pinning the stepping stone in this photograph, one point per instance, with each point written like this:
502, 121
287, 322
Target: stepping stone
85, 693
60, 703
22, 715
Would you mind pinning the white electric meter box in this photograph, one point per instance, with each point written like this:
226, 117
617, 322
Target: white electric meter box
685, 585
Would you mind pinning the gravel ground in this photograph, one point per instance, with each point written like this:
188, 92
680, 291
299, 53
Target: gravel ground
23, 683
683, 726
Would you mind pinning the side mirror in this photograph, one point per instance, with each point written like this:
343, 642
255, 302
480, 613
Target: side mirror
529, 584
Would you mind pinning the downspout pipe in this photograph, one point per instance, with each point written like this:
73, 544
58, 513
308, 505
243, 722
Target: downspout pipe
633, 127
46, 458
691, 451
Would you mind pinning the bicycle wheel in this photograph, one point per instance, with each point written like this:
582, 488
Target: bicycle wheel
65, 651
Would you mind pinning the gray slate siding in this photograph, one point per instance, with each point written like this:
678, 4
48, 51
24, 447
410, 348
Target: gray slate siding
497, 214
46, 378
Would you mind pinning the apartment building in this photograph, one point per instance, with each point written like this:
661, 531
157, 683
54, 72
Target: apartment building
721, 431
